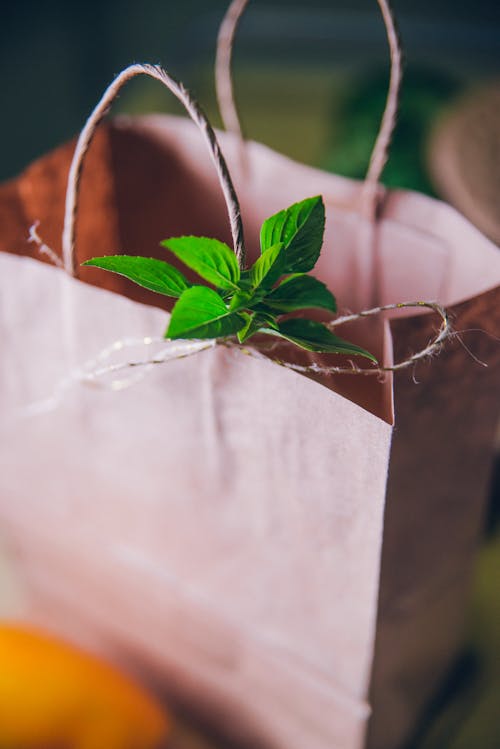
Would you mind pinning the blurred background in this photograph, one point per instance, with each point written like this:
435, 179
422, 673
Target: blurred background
311, 80
311, 77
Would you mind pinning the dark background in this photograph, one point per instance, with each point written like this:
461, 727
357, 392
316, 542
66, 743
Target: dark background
57, 57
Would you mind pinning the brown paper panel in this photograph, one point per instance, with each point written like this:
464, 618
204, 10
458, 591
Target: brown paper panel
441, 463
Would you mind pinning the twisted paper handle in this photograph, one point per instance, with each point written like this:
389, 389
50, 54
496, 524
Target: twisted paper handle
369, 193
380, 152
85, 138
231, 119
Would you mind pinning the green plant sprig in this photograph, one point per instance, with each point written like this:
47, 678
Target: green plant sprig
250, 301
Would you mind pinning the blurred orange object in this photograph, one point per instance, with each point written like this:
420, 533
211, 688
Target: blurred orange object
52, 694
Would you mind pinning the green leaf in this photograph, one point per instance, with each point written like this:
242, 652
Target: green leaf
201, 313
245, 282
315, 336
211, 259
300, 228
256, 322
240, 300
155, 275
268, 267
301, 292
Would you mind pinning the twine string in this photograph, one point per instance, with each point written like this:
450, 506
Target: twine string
224, 86
43, 249
232, 123
434, 346
223, 68
444, 333
96, 372
197, 115
380, 153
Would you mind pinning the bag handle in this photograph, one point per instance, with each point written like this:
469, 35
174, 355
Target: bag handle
88, 131
369, 197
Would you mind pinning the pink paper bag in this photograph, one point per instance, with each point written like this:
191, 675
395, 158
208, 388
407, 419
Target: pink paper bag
218, 518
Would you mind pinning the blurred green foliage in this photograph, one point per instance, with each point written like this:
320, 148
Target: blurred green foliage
468, 716
357, 117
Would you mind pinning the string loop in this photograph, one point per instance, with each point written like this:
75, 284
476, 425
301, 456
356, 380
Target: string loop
229, 112
88, 131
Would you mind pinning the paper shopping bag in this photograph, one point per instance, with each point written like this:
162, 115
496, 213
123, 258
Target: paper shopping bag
437, 477
220, 517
